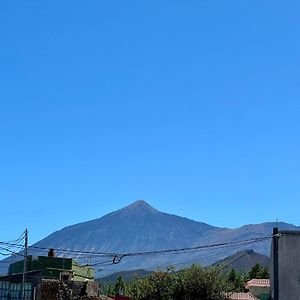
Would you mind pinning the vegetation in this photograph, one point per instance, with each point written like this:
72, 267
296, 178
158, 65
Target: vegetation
236, 281
195, 282
192, 283
259, 272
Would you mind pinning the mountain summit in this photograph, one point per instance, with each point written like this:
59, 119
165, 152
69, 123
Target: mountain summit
139, 206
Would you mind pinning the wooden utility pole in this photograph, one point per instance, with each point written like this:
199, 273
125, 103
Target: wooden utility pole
25, 264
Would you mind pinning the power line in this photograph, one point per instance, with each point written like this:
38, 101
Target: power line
117, 257
4, 254
112, 254
201, 247
187, 249
10, 251
18, 240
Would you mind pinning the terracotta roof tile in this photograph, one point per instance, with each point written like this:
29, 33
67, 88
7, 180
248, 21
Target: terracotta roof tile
258, 283
242, 296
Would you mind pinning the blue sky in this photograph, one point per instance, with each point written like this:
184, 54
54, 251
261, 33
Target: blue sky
192, 106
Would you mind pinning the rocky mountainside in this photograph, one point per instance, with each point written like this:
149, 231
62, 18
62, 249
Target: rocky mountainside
243, 261
139, 227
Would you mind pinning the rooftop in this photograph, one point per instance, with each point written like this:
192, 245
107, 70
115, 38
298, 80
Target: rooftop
258, 283
242, 296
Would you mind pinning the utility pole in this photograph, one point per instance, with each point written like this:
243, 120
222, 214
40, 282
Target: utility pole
275, 264
25, 263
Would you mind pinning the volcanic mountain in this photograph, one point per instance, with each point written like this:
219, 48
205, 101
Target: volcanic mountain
141, 228
243, 261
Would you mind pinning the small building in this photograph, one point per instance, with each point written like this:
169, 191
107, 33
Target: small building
11, 286
46, 273
54, 268
260, 288
242, 296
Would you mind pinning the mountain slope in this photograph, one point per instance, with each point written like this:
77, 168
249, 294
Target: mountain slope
139, 227
243, 261
126, 276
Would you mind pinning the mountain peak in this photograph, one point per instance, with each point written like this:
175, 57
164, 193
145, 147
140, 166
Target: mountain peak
140, 205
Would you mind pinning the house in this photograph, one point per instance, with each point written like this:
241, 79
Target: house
259, 288
52, 267
242, 296
45, 274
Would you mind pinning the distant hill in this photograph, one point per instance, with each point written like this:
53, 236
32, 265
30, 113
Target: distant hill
243, 261
139, 228
126, 275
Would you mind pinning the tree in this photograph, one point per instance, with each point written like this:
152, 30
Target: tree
192, 283
108, 288
119, 286
197, 282
157, 286
258, 271
236, 280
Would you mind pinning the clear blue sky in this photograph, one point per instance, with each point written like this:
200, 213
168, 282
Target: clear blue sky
193, 106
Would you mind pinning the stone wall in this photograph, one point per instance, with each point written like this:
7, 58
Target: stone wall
58, 290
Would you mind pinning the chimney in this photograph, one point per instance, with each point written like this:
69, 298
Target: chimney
51, 253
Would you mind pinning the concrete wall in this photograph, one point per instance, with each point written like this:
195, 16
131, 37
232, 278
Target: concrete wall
288, 266
82, 273
46, 289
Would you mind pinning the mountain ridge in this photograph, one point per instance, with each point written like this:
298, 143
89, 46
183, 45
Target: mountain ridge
139, 227
243, 261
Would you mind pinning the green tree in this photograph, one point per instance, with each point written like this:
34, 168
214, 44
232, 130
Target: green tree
200, 283
108, 288
157, 286
189, 284
236, 281
119, 288
258, 271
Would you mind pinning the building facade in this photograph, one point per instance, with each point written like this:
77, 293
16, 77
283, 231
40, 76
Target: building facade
44, 272
260, 288
285, 269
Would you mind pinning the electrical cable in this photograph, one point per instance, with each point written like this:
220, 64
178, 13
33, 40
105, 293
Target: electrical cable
117, 257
